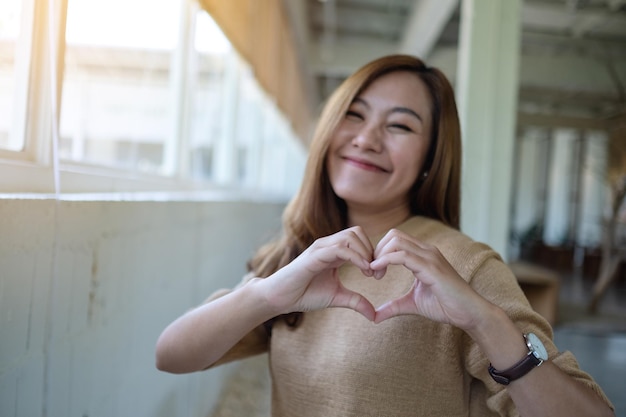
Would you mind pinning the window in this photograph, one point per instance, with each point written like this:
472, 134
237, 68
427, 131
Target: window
116, 107
212, 79
153, 97
14, 62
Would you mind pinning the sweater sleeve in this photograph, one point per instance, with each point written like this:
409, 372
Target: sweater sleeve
254, 343
495, 281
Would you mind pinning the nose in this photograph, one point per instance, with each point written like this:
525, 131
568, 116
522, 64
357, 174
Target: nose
368, 137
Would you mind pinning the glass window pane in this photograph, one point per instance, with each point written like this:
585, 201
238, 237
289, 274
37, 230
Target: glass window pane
249, 134
207, 88
117, 90
13, 73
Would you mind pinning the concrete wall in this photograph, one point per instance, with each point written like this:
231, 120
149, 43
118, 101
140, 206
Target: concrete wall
86, 287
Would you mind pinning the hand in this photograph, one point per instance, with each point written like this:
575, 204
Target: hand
311, 282
439, 293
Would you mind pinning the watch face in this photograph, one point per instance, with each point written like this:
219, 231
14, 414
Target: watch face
536, 345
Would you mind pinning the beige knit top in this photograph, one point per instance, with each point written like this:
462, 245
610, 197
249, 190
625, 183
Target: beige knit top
337, 363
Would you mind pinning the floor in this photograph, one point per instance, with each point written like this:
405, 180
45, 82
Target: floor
598, 341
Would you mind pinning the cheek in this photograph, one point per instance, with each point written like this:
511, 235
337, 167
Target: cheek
409, 162
331, 158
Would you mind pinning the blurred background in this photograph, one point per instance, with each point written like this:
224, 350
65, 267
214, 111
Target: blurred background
148, 147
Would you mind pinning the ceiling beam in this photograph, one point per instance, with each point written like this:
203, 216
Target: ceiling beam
347, 56
427, 21
564, 44
559, 97
557, 121
356, 22
557, 18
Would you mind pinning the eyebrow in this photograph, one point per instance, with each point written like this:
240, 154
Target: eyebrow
405, 110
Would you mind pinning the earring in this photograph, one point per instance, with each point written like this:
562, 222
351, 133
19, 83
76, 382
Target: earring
425, 175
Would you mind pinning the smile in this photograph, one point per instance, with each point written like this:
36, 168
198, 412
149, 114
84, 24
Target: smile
363, 164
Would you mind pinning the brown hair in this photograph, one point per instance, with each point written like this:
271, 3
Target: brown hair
316, 211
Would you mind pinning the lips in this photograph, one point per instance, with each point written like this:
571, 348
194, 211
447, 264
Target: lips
363, 163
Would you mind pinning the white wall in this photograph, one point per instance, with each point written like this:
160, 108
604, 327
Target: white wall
86, 287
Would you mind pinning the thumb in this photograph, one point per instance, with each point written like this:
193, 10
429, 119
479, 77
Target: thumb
398, 307
353, 300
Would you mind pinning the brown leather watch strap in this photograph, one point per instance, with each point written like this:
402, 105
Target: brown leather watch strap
517, 371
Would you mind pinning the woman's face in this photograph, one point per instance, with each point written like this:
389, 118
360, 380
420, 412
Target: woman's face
378, 150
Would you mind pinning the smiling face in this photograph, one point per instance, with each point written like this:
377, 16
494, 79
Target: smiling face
377, 152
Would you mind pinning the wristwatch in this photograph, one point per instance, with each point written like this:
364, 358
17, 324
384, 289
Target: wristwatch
536, 355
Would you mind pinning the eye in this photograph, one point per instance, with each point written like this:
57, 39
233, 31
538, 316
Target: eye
400, 126
351, 114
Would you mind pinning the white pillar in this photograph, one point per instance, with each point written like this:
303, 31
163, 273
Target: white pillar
561, 175
487, 85
595, 191
528, 178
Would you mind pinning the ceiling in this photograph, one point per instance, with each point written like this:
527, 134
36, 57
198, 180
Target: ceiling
573, 51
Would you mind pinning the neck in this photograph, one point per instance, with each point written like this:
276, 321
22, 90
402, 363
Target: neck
376, 223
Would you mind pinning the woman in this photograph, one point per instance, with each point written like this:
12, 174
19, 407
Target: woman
431, 324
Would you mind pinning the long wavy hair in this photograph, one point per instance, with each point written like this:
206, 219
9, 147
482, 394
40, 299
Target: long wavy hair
316, 211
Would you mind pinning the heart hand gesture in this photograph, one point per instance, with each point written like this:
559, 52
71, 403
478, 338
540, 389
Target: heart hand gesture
311, 282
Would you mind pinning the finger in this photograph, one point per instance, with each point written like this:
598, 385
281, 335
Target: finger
359, 242
344, 245
382, 243
398, 307
422, 263
378, 273
360, 234
390, 235
397, 241
334, 256
412, 261
354, 301
358, 239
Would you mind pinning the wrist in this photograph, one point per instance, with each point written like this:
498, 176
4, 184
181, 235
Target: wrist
260, 292
266, 297
499, 338
487, 322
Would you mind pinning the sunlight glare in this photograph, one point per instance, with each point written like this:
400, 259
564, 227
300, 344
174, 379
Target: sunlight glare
209, 37
10, 11
142, 24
